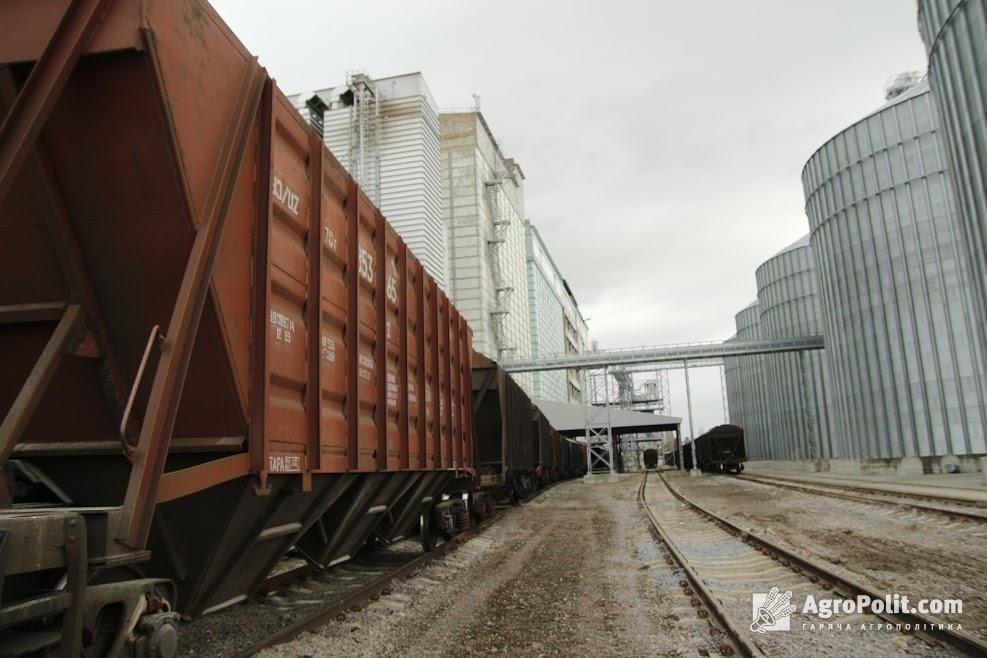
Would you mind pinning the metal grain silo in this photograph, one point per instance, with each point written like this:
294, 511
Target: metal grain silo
893, 289
955, 35
755, 396
732, 372
796, 382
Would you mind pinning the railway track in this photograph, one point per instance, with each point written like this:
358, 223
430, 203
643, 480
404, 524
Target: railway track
725, 563
300, 599
378, 579
923, 502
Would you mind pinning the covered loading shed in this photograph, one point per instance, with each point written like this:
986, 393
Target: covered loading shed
570, 421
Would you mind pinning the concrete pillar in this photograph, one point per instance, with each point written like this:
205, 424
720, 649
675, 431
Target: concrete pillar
910, 466
950, 464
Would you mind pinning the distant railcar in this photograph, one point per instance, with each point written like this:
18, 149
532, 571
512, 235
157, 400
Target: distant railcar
573, 457
507, 445
578, 458
721, 450
548, 467
671, 455
650, 458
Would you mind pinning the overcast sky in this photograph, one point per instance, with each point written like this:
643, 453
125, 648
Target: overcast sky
662, 141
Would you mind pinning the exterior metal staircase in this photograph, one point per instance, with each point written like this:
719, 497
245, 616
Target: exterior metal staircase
495, 255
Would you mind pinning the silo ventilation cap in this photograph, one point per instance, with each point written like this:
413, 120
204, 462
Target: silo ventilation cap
901, 83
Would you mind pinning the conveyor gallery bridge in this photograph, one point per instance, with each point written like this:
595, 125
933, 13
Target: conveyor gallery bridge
705, 351
598, 432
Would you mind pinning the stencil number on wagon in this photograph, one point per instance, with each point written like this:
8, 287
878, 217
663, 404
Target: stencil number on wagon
328, 349
329, 237
366, 265
284, 327
285, 195
392, 288
284, 464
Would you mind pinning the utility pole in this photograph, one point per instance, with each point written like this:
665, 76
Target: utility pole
610, 437
692, 434
723, 393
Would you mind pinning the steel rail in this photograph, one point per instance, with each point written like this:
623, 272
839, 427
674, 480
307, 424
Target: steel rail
958, 639
868, 495
366, 594
288, 576
736, 636
369, 592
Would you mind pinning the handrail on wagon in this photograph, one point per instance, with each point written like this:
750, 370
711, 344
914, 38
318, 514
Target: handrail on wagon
152, 340
680, 352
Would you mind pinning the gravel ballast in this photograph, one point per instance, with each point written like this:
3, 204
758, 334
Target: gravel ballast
895, 549
573, 572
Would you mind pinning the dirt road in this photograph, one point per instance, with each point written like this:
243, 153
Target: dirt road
573, 572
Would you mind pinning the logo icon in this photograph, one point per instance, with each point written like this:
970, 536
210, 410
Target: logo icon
771, 611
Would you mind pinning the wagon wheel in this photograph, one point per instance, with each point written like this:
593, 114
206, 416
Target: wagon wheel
425, 534
113, 625
115, 574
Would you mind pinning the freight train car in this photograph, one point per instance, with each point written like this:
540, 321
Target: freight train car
544, 458
556, 441
507, 446
549, 467
577, 458
214, 346
566, 458
720, 450
650, 458
671, 455
574, 456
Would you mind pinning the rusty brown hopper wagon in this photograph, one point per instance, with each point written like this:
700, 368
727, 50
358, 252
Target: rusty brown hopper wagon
213, 347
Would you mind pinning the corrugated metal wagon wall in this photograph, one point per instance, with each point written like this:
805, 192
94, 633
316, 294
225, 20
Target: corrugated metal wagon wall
502, 411
755, 394
898, 323
955, 35
796, 381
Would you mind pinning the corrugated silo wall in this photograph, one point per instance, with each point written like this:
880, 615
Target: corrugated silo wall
898, 326
754, 399
796, 382
410, 168
733, 372
955, 35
